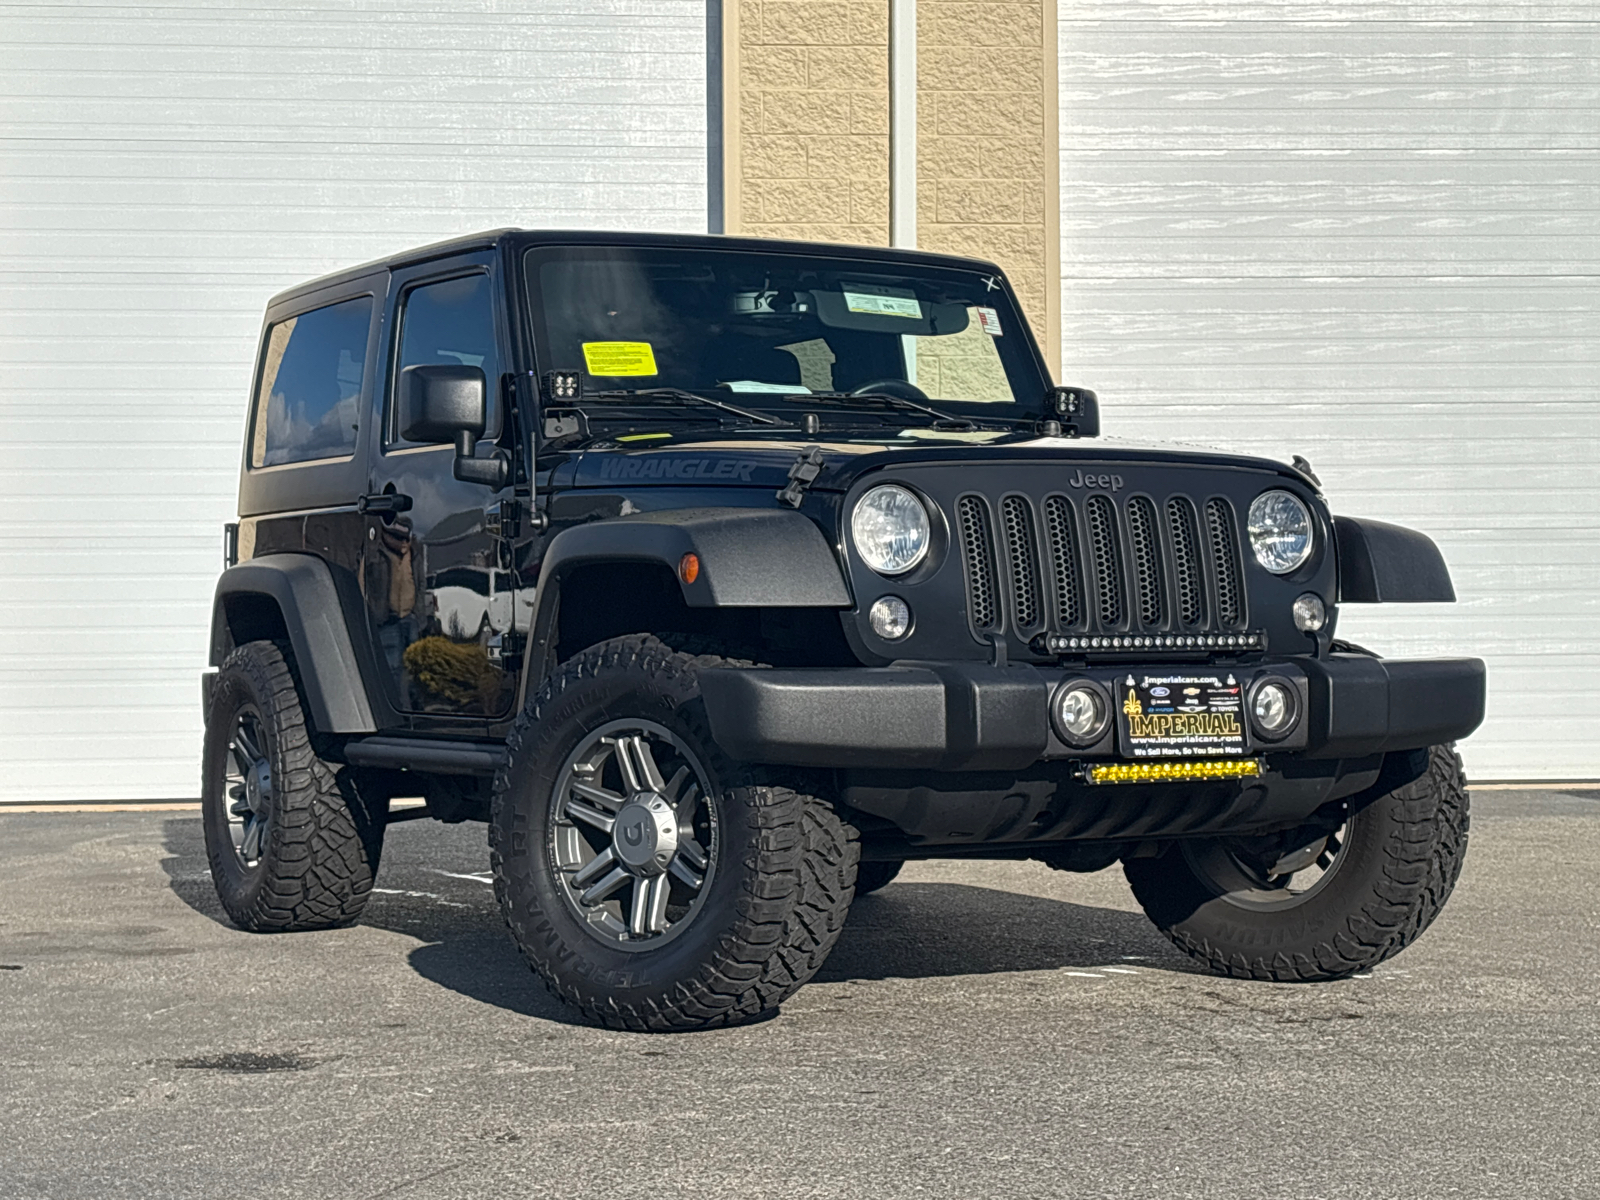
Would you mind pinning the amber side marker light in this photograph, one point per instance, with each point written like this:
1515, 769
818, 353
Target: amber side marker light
689, 567
1175, 772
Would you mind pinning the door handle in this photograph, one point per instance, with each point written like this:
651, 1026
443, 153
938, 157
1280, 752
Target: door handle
384, 502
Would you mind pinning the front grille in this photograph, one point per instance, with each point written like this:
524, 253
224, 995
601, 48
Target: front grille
1021, 556
1109, 566
977, 548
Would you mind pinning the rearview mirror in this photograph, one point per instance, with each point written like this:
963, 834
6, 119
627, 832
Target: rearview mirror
442, 403
1076, 407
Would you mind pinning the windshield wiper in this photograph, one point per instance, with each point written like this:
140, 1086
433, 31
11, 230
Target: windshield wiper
667, 393
948, 420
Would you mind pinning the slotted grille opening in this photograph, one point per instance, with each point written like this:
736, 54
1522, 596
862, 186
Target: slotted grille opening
977, 544
1107, 568
1186, 558
1060, 530
1146, 558
1023, 557
1225, 561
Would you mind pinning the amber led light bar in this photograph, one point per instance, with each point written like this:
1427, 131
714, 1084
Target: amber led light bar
1174, 772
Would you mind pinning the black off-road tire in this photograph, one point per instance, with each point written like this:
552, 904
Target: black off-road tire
1401, 857
872, 876
778, 896
322, 843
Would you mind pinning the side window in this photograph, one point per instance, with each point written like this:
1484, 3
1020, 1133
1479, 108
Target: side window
452, 322
308, 405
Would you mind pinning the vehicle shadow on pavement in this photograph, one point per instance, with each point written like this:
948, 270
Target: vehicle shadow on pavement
923, 930
434, 891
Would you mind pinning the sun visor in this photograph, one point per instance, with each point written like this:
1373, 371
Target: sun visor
874, 308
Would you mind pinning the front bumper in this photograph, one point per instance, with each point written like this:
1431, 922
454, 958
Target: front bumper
975, 717
948, 755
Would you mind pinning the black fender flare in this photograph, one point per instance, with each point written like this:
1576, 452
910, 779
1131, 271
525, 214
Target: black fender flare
302, 587
749, 558
1381, 563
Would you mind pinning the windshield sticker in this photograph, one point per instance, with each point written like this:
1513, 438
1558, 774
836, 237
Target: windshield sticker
989, 321
775, 389
619, 358
891, 302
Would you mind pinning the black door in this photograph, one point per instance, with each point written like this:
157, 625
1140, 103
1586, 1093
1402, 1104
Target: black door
435, 579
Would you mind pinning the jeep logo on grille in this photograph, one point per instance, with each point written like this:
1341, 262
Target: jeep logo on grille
1111, 483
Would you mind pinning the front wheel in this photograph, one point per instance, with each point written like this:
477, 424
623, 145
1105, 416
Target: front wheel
1259, 908
652, 883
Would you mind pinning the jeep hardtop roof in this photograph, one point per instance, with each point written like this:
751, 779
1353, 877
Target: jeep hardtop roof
492, 238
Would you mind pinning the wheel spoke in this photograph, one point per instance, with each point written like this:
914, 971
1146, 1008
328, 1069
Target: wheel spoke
639, 765
659, 889
690, 850
685, 809
591, 816
686, 873
605, 887
675, 784
605, 798
241, 756
255, 831
590, 871
639, 915
245, 737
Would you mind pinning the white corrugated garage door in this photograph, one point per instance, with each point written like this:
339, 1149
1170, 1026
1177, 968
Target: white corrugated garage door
165, 170
1366, 233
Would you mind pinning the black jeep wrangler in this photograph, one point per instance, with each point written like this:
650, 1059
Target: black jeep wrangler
722, 577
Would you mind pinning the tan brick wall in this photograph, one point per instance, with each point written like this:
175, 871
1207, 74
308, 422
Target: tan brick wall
988, 159
807, 130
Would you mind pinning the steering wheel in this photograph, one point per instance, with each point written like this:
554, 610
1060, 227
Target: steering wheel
891, 387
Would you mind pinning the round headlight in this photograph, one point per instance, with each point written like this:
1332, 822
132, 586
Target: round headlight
1081, 713
1272, 708
890, 618
891, 529
1280, 531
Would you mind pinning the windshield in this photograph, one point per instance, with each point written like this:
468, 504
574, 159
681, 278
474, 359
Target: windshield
764, 331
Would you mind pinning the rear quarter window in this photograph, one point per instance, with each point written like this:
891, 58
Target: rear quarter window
308, 405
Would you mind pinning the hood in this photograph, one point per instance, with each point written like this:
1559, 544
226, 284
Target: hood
765, 463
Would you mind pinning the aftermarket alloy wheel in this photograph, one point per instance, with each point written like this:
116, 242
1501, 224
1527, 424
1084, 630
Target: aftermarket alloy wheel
652, 883
1339, 903
291, 843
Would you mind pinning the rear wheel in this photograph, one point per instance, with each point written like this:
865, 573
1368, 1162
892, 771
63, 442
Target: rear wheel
291, 842
1339, 903
652, 883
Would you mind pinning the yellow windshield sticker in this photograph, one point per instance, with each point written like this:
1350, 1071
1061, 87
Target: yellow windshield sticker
619, 358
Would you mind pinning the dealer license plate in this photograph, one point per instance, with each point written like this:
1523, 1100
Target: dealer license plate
1189, 715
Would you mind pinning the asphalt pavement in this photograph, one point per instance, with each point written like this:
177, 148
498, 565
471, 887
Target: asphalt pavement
982, 1030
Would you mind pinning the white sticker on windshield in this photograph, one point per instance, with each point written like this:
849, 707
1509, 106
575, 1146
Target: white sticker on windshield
891, 302
989, 321
755, 385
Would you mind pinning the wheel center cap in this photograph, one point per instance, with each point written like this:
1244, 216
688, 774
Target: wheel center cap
258, 784
645, 836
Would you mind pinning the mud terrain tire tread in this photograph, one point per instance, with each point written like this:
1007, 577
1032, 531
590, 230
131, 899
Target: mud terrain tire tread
323, 845
1422, 852
793, 899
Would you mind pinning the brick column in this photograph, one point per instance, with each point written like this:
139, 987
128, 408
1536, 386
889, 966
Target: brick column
807, 119
988, 151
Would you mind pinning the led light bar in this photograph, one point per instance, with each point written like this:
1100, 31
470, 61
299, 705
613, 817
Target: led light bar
562, 385
1079, 643
1175, 772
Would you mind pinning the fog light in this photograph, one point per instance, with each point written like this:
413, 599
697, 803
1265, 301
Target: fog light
890, 618
1310, 614
1081, 713
1273, 708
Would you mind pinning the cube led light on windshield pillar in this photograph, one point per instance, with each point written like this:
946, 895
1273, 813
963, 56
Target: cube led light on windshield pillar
562, 385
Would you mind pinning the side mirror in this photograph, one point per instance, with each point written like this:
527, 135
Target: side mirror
443, 403
1078, 408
